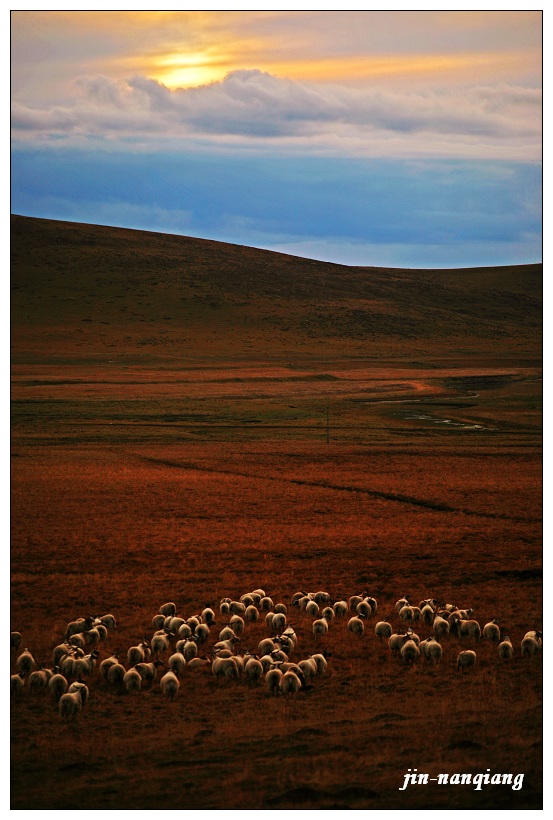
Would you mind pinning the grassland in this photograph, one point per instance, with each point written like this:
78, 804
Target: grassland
170, 442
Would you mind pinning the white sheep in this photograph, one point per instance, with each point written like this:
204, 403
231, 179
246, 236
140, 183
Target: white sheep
356, 625
170, 685
80, 625
208, 616
309, 668
401, 603
353, 601
59, 652
530, 646
470, 629
108, 621
340, 609
491, 631
70, 705
17, 684
237, 607
106, 664
281, 608
364, 609
15, 640
279, 622
433, 650
265, 646
290, 683
253, 669
148, 671
201, 634
321, 662
272, 679
132, 680
320, 628
185, 631
158, 622
115, 674
58, 685
227, 634
189, 650
383, 630
409, 651
312, 608
138, 654
25, 662
168, 609
225, 668
406, 613
505, 649
427, 614
266, 604
176, 663
440, 627
466, 659
396, 641
38, 680
159, 645
328, 614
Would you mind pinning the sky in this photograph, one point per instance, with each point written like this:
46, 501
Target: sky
401, 138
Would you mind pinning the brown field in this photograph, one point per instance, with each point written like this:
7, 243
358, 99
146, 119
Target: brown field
170, 442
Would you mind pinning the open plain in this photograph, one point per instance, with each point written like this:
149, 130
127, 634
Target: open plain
193, 420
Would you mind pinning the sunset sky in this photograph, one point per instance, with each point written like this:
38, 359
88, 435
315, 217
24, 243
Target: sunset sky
376, 138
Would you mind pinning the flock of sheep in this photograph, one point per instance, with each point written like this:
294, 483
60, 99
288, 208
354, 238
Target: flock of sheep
178, 644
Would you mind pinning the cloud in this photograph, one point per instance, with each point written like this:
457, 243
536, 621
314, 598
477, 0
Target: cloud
252, 105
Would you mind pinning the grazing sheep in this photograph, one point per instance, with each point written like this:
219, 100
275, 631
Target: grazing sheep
266, 604
364, 609
266, 646
158, 622
466, 659
530, 646
225, 668
396, 641
85, 665
440, 627
80, 625
138, 654
309, 668
312, 608
176, 663
58, 685
328, 614
340, 609
105, 665
470, 629
253, 669
201, 634
409, 651
227, 634
115, 674
70, 705
15, 640
189, 650
208, 616
174, 624
321, 662
159, 645
80, 686
38, 680
17, 684
320, 628
427, 614
383, 630
198, 663
168, 609
353, 601
78, 640
93, 636
237, 608
356, 625
224, 607
290, 683
108, 621
401, 603
296, 598
505, 649
406, 613
25, 662
247, 599
491, 631
433, 650
322, 597
260, 592
132, 680
272, 679
185, 631
281, 608
279, 622
170, 685
67, 665
59, 652
148, 671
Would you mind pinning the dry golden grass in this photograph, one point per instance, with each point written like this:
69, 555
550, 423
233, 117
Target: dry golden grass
193, 470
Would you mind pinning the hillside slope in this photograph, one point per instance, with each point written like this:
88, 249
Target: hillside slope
87, 290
